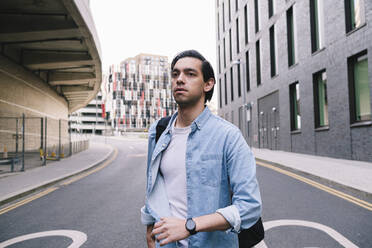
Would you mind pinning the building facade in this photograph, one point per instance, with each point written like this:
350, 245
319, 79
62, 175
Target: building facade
139, 92
90, 120
296, 75
49, 67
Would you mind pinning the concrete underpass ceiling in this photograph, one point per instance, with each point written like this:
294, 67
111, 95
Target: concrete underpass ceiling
57, 41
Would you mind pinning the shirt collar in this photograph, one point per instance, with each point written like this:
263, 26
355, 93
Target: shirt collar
202, 118
199, 122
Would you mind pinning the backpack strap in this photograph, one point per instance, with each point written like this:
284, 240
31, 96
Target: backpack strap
252, 236
161, 126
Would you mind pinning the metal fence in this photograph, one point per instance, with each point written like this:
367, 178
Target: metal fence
28, 142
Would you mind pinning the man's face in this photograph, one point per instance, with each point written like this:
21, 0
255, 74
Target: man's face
188, 86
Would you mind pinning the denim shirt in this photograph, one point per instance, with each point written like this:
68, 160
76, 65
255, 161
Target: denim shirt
220, 177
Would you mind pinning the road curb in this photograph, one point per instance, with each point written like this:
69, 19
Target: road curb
320, 179
51, 182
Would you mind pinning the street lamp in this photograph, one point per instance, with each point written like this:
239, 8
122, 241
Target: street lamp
246, 106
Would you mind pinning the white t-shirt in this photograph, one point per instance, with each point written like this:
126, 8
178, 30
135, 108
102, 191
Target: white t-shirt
173, 168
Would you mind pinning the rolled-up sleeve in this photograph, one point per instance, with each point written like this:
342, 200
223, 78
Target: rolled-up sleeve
231, 214
246, 198
146, 217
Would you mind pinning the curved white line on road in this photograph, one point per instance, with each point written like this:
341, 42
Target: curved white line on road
78, 238
331, 232
137, 155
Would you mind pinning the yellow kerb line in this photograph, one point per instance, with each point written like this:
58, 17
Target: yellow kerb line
47, 191
27, 200
337, 193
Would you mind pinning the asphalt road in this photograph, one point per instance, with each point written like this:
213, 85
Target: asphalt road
105, 205
301, 209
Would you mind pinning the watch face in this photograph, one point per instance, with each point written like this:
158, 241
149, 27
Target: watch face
190, 224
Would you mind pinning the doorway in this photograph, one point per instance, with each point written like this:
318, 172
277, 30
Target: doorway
268, 121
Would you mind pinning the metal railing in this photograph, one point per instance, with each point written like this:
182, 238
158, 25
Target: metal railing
36, 141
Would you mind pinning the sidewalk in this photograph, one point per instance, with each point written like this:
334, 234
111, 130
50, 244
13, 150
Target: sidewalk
352, 174
21, 183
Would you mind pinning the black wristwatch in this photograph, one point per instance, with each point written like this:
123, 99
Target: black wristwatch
191, 226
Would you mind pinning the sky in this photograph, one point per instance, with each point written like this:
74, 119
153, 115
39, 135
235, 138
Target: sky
163, 27
127, 28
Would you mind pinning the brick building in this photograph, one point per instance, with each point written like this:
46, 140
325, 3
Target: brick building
294, 75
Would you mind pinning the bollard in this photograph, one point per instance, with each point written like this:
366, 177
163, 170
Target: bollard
53, 152
41, 151
62, 154
5, 154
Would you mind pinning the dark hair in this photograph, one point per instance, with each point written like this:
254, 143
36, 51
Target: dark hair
207, 69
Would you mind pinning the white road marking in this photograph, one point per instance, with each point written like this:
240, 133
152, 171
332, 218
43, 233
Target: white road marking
261, 245
331, 232
137, 155
78, 238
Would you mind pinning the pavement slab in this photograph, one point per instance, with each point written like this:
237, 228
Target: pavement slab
350, 173
20, 183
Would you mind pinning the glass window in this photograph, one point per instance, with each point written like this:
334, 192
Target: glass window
240, 117
272, 51
225, 89
229, 11
236, 5
271, 8
224, 53
220, 90
256, 17
239, 82
232, 84
237, 36
360, 101
291, 37
218, 26
258, 63
354, 13
247, 71
246, 23
320, 99
223, 17
230, 43
219, 59
316, 24
294, 96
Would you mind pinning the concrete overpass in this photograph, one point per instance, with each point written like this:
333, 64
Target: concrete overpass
50, 57
50, 66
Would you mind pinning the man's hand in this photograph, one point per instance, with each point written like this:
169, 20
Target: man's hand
170, 230
150, 240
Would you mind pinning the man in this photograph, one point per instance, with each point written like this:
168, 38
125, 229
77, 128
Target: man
201, 174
